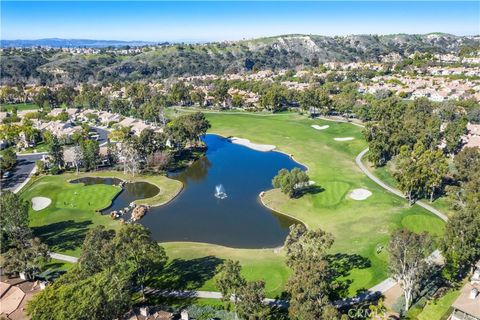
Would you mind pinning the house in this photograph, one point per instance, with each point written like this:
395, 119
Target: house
14, 296
145, 313
59, 128
467, 305
69, 155
127, 122
472, 139
108, 117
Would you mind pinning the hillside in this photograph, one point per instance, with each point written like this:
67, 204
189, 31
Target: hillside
287, 51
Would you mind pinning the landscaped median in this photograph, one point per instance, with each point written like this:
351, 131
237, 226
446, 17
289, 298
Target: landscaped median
75, 208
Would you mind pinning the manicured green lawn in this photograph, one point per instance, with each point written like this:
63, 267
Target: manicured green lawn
386, 174
74, 208
194, 265
437, 309
20, 106
41, 147
361, 228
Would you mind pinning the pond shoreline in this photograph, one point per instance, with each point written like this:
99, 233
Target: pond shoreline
291, 156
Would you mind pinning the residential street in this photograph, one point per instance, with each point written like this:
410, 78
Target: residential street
25, 165
103, 135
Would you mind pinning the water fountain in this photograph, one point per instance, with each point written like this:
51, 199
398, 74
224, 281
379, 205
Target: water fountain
220, 192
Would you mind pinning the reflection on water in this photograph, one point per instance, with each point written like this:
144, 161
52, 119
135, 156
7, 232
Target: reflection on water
131, 191
239, 220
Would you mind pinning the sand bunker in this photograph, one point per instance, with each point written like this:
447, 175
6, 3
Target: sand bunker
360, 194
315, 126
251, 145
343, 139
40, 203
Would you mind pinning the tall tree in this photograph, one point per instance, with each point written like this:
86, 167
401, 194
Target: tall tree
309, 289
303, 244
435, 167
13, 220
144, 256
90, 151
453, 135
461, 241
229, 281
291, 182
250, 301
98, 251
408, 265
104, 295
27, 256
56, 152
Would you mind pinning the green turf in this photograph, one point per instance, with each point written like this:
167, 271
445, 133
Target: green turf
361, 228
386, 174
74, 208
20, 106
438, 309
41, 147
194, 264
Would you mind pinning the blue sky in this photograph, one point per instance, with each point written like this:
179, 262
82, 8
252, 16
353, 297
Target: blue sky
207, 21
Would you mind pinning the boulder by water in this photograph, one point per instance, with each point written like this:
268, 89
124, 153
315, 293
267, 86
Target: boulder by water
139, 212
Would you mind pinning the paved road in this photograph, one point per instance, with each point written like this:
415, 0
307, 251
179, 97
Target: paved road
397, 192
103, 135
21, 172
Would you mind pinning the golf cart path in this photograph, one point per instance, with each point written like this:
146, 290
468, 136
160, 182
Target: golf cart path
381, 287
397, 192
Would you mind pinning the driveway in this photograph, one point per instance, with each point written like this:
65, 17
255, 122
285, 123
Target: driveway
21, 172
102, 135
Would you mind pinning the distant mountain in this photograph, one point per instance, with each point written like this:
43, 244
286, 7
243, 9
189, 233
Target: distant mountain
70, 43
280, 52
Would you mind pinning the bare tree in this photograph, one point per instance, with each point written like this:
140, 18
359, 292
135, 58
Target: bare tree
131, 158
77, 157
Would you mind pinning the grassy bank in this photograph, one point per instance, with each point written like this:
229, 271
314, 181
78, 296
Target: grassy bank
361, 228
74, 208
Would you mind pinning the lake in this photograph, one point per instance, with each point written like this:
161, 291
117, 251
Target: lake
239, 220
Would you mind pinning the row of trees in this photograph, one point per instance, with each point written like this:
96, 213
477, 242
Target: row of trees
420, 136
309, 287
462, 233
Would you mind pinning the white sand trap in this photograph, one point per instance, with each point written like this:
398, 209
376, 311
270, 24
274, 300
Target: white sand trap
251, 145
360, 194
343, 139
40, 203
316, 126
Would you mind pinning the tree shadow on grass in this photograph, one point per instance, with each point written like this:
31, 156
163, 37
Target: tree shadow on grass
178, 280
341, 265
313, 189
64, 235
182, 274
